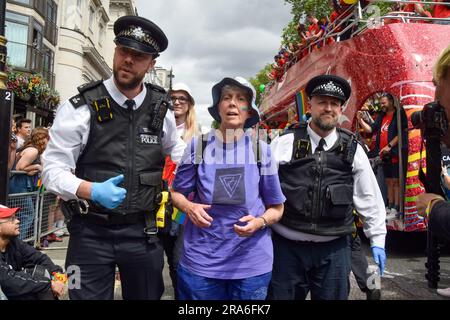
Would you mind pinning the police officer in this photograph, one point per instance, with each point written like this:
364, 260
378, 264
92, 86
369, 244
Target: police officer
324, 174
105, 159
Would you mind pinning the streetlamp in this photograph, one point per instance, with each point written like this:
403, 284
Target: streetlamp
6, 104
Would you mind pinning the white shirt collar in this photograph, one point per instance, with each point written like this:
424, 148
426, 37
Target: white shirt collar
330, 139
120, 98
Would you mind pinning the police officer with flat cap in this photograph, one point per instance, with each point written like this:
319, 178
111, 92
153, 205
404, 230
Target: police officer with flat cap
105, 160
324, 174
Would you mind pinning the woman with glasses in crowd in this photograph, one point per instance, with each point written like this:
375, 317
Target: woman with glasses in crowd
183, 108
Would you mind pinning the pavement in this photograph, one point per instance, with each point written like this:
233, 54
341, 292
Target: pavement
403, 279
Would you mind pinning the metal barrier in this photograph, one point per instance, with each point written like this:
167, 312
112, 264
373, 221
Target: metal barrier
39, 210
49, 213
28, 214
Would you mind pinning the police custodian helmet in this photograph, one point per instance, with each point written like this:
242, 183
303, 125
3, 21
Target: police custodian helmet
329, 85
140, 34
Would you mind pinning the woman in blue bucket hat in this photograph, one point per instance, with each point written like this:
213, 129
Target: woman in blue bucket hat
228, 250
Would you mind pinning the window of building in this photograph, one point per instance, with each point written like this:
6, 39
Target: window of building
27, 2
52, 10
48, 65
91, 18
101, 34
16, 32
50, 31
36, 47
39, 6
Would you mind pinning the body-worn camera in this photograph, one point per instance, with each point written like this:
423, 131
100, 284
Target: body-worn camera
431, 119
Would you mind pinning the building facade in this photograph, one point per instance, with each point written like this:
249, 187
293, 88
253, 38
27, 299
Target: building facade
32, 33
86, 47
161, 77
69, 42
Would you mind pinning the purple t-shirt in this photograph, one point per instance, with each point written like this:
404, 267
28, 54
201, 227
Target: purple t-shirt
228, 179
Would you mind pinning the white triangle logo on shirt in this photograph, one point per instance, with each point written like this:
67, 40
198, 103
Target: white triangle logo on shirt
230, 183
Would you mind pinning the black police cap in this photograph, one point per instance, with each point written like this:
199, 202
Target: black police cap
329, 85
140, 34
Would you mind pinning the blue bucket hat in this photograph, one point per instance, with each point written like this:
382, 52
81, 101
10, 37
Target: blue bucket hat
240, 83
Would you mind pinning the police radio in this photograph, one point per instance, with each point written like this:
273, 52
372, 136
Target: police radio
158, 113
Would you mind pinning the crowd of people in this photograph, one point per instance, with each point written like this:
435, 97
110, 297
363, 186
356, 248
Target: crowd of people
385, 137
24, 162
327, 28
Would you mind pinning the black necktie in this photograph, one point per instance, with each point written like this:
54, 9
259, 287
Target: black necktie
130, 104
320, 146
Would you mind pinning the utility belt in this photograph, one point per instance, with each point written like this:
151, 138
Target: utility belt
159, 222
80, 209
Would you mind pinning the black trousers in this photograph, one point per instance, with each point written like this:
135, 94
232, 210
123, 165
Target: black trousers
299, 267
173, 245
95, 251
359, 263
439, 222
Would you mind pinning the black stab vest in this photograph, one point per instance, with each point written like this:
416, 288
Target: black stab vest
319, 187
125, 144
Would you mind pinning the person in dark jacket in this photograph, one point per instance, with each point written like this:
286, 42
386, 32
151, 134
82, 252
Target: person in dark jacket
386, 146
25, 273
433, 206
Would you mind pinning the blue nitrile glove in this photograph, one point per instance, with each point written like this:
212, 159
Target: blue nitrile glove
379, 255
107, 193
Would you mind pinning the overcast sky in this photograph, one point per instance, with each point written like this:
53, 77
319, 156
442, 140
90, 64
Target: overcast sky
213, 39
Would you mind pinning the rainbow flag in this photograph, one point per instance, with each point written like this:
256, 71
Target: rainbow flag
301, 100
179, 216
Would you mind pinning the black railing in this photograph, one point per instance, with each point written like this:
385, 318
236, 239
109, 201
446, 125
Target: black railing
51, 32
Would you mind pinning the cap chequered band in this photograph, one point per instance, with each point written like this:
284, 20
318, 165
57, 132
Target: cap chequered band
329, 87
138, 34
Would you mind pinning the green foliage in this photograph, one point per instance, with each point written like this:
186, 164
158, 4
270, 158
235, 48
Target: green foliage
261, 78
215, 124
319, 8
290, 34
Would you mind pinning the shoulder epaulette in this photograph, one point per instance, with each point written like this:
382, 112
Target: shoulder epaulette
85, 87
77, 101
346, 132
155, 87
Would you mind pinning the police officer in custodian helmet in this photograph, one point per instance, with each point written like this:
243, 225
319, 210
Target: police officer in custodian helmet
105, 160
325, 175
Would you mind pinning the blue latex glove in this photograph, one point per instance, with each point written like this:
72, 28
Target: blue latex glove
107, 193
379, 255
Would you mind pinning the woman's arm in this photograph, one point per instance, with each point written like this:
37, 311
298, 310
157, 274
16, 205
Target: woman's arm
272, 214
364, 125
12, 155
25, 163
195, 211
